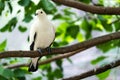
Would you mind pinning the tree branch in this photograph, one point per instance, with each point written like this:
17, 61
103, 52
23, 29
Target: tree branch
90, 8
95, 71
12, 66
83, 45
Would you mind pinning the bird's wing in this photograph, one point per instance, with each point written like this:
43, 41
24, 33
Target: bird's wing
32, 44
54, 36
32, 36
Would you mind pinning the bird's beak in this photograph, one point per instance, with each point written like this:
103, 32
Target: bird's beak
36, 14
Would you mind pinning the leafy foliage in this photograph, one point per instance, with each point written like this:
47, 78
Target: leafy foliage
71, 28
2, 6
103, 75
99, 59
10, 25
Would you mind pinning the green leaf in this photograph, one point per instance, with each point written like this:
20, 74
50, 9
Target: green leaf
10, 25
59, 64
107, 27
68, 12
27, 18
103, 75
85, 1
105, 47
29, 10
72, 30
97, 60
3, 45
69, 60
80, 37
87, 28
2, 6
10, 7
47, 6
3, 78
1, 70
19, 73
24, 2
62, 16
117, 26
22, 29
21, 78
58, 73
8, 73
38, 78
57, 16
96, 25
63, 43
45, 67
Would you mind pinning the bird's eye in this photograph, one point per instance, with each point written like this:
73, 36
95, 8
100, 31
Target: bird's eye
41, 12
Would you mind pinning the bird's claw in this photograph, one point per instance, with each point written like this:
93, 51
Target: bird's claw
48, 49
39, 50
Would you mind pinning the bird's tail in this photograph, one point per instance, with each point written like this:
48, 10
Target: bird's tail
33, 66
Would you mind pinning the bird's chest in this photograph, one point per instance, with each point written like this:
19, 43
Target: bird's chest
44, 38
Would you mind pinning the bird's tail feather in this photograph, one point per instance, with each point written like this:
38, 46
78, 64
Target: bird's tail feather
33, 66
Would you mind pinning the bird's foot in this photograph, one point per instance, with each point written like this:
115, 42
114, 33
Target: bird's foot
48, 49
39, 50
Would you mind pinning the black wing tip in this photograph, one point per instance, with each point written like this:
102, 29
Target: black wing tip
32, 68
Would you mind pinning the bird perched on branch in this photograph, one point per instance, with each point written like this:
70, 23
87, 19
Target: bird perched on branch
42, 35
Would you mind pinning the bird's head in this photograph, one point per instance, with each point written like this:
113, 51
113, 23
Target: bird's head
40, 13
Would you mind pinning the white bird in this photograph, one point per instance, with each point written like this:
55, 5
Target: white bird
42, 34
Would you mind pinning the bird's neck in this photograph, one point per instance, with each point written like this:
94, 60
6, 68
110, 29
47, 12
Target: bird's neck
42, 19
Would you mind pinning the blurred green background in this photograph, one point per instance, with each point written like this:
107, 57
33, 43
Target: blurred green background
72, 26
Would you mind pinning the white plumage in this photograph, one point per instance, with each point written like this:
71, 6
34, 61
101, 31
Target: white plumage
42, 34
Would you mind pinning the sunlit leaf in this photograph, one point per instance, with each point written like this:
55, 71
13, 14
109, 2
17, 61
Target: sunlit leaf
80, 37
104, 75
3, 45
107, 27
97, 60
87, 28
38, 78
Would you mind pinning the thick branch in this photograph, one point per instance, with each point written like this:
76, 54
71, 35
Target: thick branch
90, 8
94, 72
83, 45
12, 66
